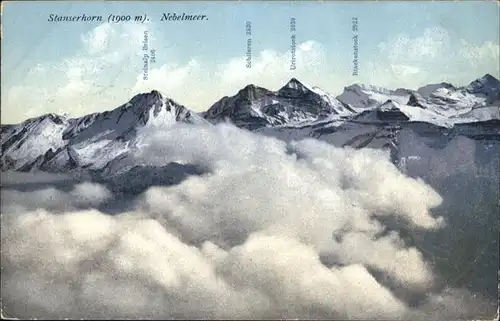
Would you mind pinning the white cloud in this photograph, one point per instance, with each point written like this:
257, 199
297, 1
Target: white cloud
243, 241
195, 82
81, 83
427, 46
82, 195
485, 54
402, 71
97, 40
272, 68
168, 78
431, 57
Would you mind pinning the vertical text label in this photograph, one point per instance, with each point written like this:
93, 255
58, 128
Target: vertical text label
248, 33
293, 24
355, 62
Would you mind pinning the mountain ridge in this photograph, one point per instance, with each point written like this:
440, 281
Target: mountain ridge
52, 141
487, 78
102, 140
253, 106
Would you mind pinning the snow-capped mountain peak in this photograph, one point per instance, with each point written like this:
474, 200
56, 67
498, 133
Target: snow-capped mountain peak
487, 86
146, 98
252, 92
239, 105
295, 85
55, 141
358, 88
485, 81
431, 88
361, 97
389, 105
56, 119
296, 102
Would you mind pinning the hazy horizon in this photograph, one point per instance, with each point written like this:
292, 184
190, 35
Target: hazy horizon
127, 98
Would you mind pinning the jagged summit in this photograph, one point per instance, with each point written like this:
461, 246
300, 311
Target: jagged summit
487, 81
361, 97
252, 91
355, 86
431, 88
156, 92
487, 87
146, 99
488, 78
238, 106
55, 118
415, 101
158, 107
363, 87
251, 87
388, 105
253, 107
295, 85
91, 141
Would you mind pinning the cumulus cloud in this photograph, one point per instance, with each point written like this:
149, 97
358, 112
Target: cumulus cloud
411, 62
271, 230
170, 78
429, 45
98, 39
485, 56
82, 195
198, 83
82, 82
309, 56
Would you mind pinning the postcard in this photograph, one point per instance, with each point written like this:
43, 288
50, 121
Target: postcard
230, 160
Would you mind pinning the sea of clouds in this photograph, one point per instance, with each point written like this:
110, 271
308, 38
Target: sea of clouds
270, 230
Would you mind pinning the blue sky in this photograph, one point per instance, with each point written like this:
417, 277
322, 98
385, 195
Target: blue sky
77, 68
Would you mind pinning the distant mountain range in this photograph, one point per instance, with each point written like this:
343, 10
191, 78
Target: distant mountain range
298, 103
362, 116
